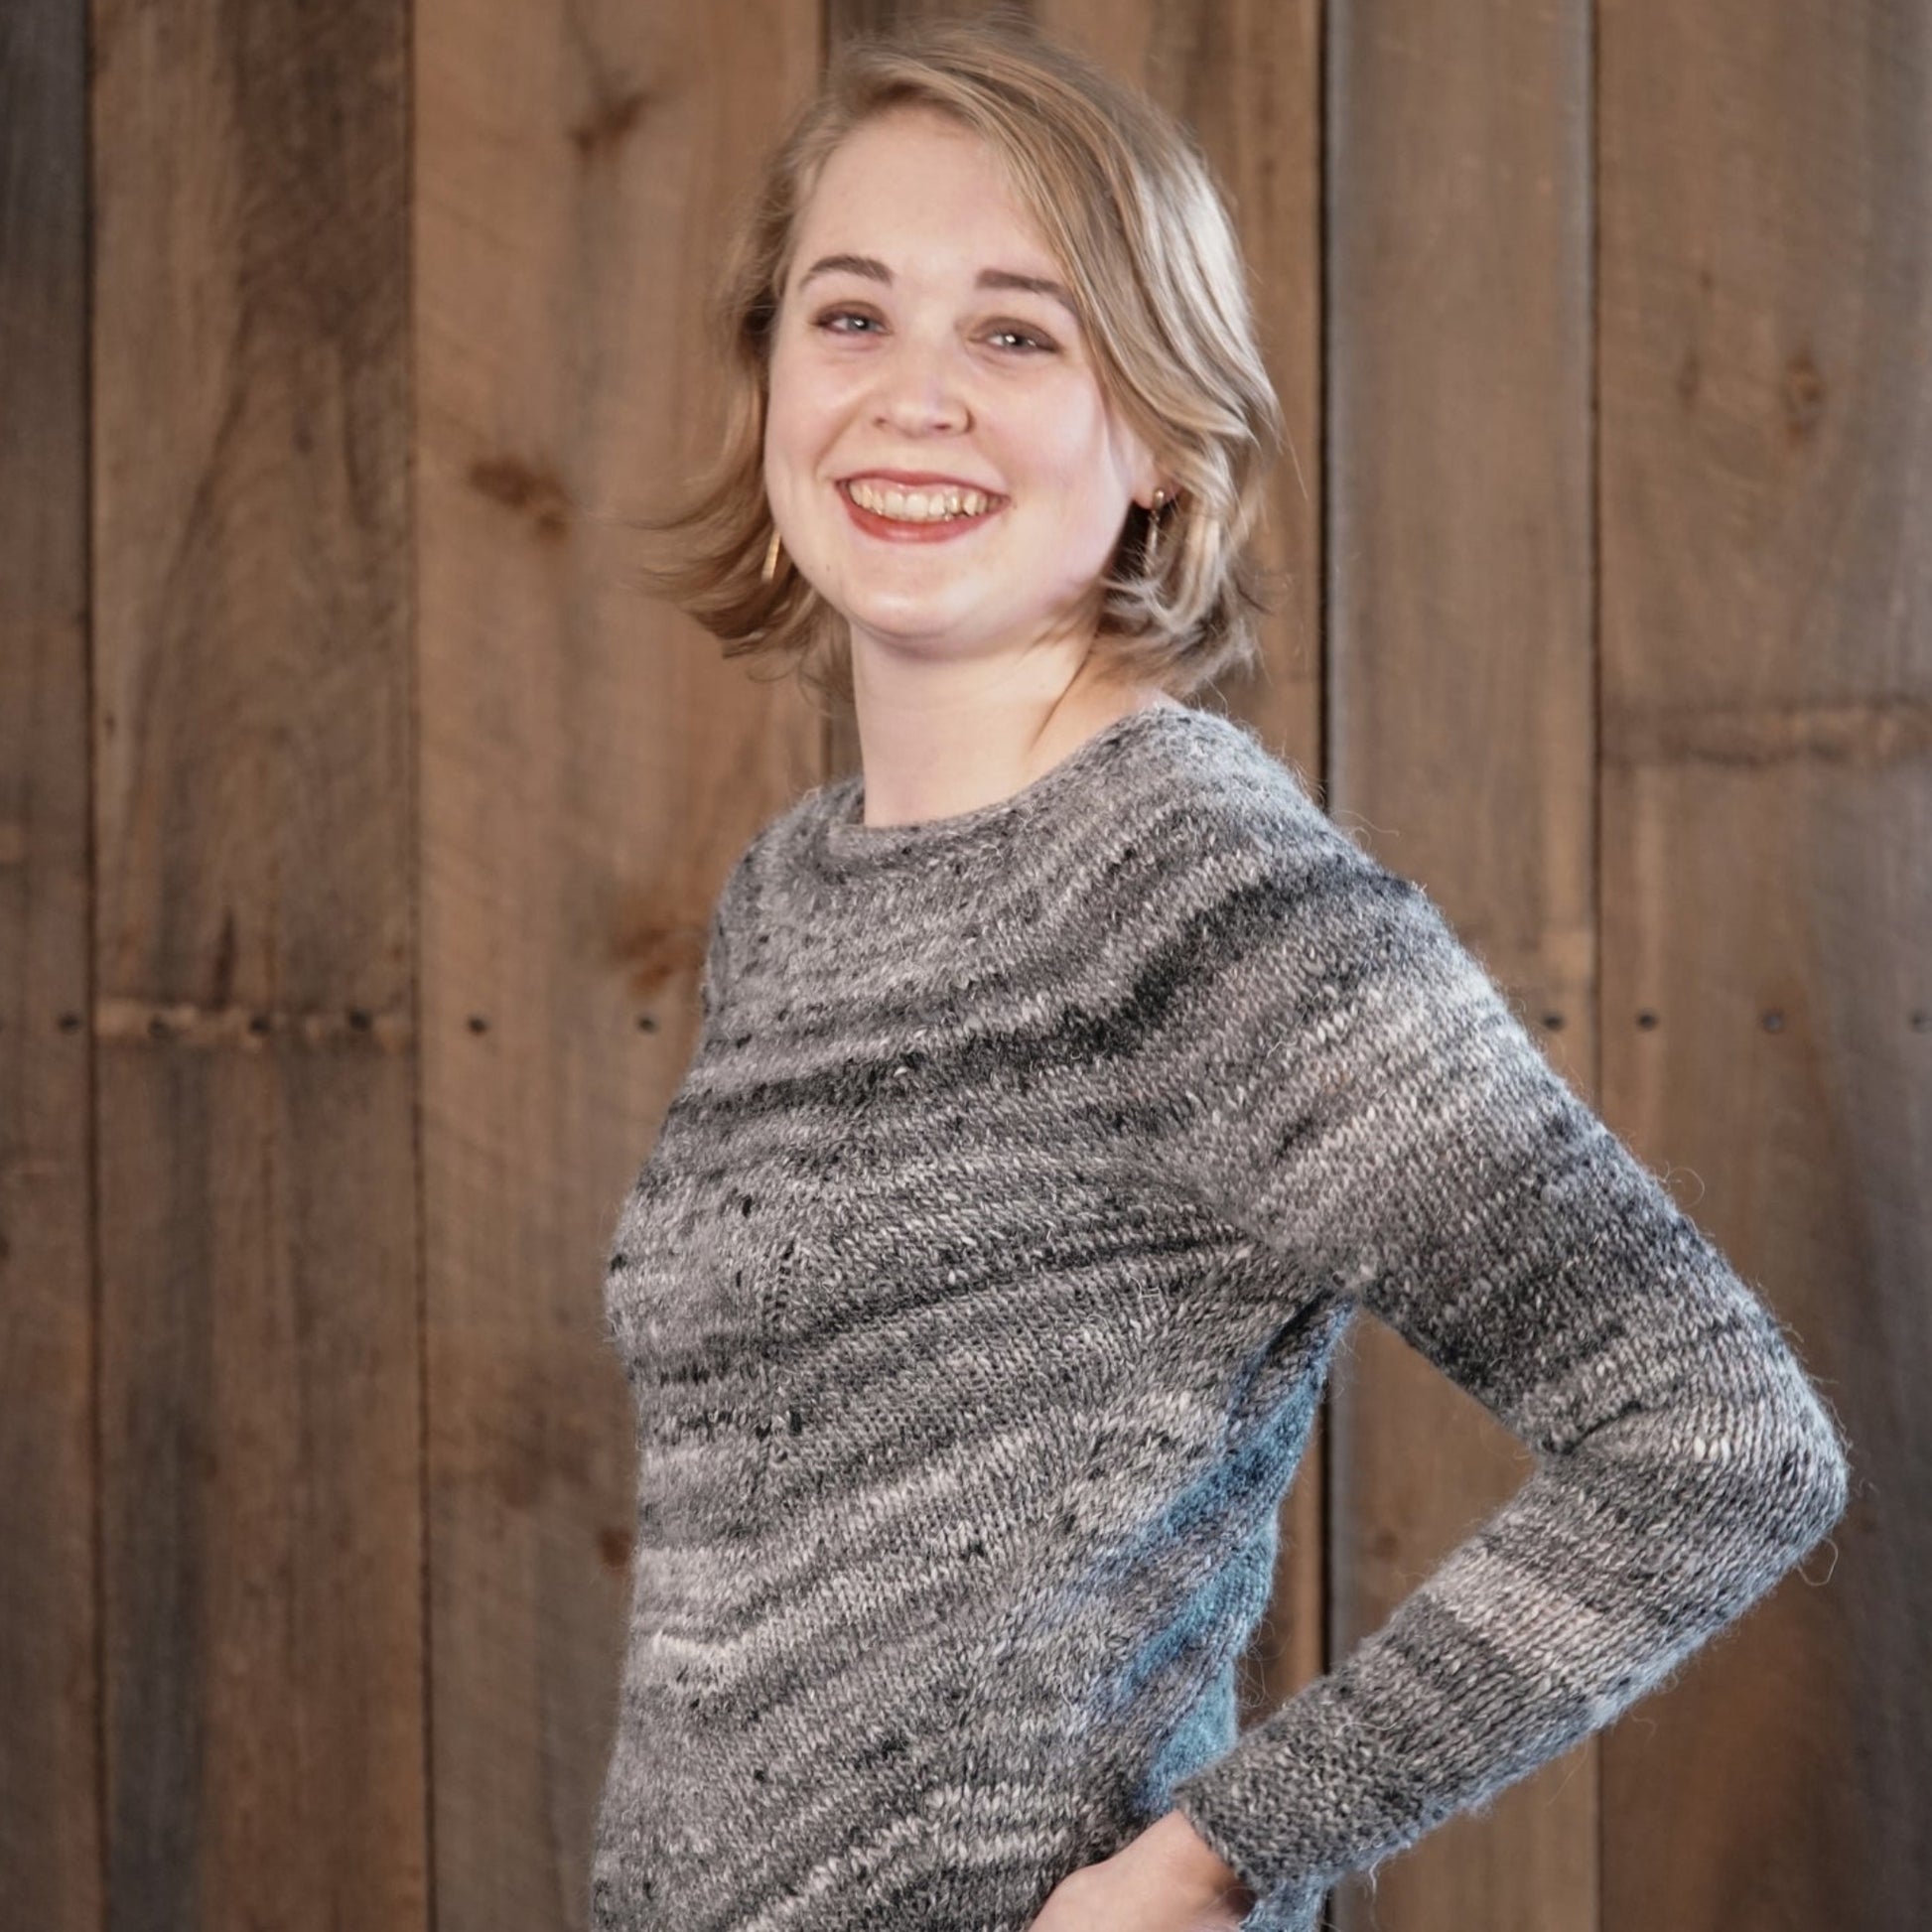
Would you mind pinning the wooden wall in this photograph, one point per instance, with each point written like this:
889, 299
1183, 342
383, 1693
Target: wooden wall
359, 828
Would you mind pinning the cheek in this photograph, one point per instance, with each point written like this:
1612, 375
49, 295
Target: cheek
1066, 438
802, 415
780, 405
790, 388
1079, 465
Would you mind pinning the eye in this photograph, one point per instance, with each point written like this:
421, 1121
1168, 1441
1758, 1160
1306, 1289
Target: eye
1037, 343
832, 315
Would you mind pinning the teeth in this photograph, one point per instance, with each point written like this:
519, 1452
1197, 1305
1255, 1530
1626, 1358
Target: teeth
918, 505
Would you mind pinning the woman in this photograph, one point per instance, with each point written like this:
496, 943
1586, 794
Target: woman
1067, 1083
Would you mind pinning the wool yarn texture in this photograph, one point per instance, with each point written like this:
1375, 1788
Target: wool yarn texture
977, 1297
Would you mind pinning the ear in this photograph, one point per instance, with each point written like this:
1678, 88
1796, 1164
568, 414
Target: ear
1138, 464
1150, 475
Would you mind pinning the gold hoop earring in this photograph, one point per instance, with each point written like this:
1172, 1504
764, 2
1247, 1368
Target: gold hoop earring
771, 569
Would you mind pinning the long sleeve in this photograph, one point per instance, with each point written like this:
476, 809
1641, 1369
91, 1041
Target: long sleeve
1357, 1091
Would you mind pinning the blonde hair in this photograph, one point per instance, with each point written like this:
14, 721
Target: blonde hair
1128, 204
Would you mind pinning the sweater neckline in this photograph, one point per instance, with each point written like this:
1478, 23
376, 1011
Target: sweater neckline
847, 844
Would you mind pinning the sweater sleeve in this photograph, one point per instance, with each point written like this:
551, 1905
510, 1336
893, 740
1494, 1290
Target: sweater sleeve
1345, 1080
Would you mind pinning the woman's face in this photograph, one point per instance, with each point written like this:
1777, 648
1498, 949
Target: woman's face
895, 363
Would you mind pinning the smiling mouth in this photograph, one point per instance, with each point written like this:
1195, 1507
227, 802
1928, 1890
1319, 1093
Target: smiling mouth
916, 505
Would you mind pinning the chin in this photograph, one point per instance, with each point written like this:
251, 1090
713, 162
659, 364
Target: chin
908, 619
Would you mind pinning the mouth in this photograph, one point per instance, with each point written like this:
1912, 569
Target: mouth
917, 512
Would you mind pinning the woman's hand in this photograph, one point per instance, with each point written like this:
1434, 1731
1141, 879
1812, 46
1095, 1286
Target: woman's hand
1168, 1880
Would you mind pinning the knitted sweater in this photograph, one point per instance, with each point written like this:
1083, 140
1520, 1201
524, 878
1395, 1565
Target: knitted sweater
977, 1297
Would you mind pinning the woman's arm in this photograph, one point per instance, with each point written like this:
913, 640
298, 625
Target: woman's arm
1334, 1070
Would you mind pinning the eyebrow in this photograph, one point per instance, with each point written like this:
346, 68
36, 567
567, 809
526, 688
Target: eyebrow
875, 270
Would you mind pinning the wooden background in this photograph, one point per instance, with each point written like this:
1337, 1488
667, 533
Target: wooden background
361, 826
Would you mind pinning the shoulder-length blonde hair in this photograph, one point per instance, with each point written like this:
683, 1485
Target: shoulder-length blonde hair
1127, 204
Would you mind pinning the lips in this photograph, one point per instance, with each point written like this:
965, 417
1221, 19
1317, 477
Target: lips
948, 529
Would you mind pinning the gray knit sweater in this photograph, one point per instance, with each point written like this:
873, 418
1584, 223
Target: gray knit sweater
977, 1298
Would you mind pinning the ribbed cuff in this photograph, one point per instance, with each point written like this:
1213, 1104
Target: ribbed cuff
1290, 1907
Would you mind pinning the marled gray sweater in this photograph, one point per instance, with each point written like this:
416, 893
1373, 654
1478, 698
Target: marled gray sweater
977, 1297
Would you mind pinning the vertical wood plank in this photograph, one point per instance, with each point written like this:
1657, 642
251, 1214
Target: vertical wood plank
1766, 489
260, 1474
591, 767
50, 1689
1462, 746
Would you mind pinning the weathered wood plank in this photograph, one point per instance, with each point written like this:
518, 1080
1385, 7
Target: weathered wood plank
260, 1418
1463, 731
1766, 545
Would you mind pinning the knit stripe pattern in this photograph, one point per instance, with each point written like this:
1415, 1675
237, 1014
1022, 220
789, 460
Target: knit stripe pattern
976, 1300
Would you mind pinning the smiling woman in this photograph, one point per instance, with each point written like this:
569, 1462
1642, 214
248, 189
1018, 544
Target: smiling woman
994, 383
1041, 1142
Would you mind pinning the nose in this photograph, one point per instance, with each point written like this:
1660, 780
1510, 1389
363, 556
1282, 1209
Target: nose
920, 392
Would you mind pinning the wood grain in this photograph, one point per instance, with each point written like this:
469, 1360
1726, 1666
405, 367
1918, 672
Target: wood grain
1765, 312
1462, 744
260, 1420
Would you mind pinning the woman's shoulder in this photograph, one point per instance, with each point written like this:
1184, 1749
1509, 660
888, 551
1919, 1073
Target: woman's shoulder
1229, 873
1217, 795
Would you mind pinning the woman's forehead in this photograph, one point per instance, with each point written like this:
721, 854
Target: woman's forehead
859, 219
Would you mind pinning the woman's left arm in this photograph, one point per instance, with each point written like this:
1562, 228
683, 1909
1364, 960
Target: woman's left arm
1361, 1094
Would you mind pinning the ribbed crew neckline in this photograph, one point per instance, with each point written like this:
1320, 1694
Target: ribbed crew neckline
847, 844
